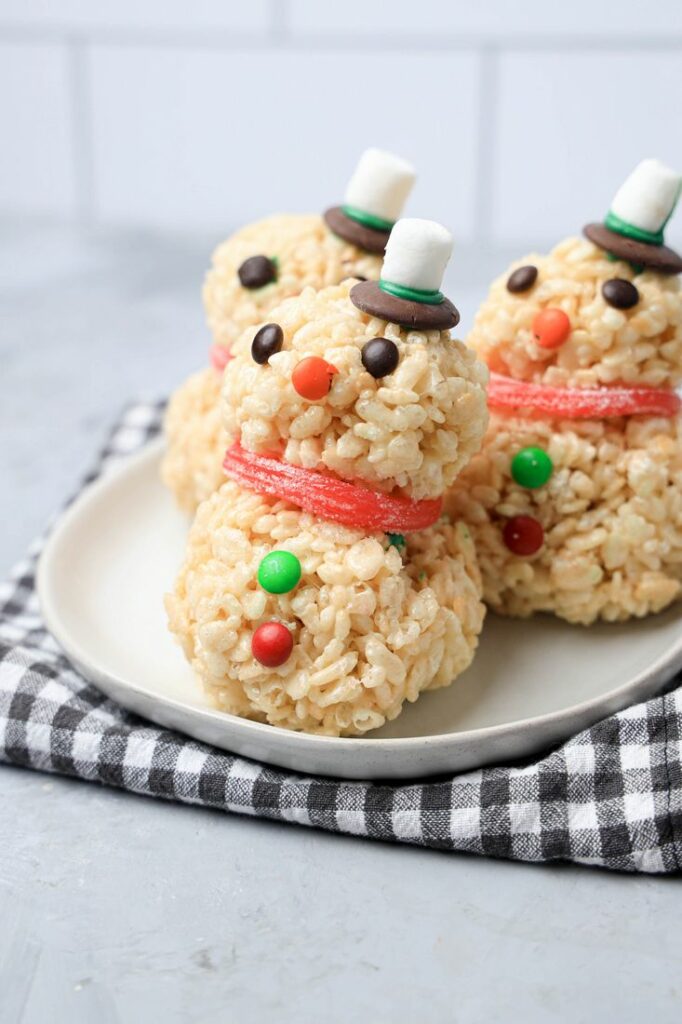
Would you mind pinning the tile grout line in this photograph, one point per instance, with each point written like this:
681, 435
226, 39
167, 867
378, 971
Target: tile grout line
485, 157
279, 35
81, 130
280, 16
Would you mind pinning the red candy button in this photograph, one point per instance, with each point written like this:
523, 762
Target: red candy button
312, 378
551, 327
581, 403
327, 496
271, 644
523, 535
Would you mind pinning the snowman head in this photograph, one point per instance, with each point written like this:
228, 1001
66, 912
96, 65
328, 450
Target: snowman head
278, 257
268, 261
586, 315
331, 385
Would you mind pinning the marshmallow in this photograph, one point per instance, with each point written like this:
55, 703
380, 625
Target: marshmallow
417, 254
647, 198
380, 185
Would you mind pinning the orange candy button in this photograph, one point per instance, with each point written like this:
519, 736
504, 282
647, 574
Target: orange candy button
312, 378
551, 327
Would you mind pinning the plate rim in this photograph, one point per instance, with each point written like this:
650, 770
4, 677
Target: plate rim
593, 708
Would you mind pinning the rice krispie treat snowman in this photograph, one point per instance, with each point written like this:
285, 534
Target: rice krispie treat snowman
252, 272
575, 500
321, 589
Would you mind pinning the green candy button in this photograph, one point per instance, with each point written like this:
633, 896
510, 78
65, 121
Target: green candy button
279, 572
531, 467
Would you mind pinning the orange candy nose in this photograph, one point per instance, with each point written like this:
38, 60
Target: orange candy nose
312, 378
551, 328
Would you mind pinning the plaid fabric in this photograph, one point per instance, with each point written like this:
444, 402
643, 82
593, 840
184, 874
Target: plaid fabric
612, 796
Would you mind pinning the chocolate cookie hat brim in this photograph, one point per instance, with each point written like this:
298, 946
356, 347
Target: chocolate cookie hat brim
640, 210
369, 298
408, 291
655, 257
365, 237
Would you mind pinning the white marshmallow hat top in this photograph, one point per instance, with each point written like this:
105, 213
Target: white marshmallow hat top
645, 201
408, 291
417, 253
378, 189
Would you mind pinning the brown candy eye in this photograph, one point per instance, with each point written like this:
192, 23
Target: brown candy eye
522, 279
257, 271
266, 342
619, 293
380, 357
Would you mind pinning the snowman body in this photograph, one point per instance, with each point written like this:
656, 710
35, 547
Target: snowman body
255, 270
376, 617
305, 253
611, 510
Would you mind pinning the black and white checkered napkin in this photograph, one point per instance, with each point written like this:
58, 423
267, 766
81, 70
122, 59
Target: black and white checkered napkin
612, 796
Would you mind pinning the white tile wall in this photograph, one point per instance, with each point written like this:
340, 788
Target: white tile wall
570, 126
522, 115
201, 138
148, 15
36, 165
503, 20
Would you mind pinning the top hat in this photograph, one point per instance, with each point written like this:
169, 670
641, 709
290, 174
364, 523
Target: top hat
374, 200
633, 228
408, 291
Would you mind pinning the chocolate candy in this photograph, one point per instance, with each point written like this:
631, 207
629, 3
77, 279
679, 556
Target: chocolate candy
551, 327
619, 293
272, 644
380, 357
279, 572
523, 535
312, 378
531, 467
522, 279
257, 271
266, 342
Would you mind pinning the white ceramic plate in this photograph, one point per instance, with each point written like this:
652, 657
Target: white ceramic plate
115, 552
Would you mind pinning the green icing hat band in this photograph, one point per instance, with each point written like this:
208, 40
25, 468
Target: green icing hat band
368, 219
621, 227
401, 291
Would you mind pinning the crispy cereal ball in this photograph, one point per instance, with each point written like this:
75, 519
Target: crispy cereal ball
307, 253
372, 624
302, 251
611, 512
413, 427
610, 341
193, 465
589, 526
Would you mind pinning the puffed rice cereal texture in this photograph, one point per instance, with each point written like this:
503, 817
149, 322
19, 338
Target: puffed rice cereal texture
641, 345
611, 512
372, 627
308, 254
612, 509
413, 430
192, 467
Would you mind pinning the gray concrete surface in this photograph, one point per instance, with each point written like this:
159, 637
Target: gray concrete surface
116, 908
